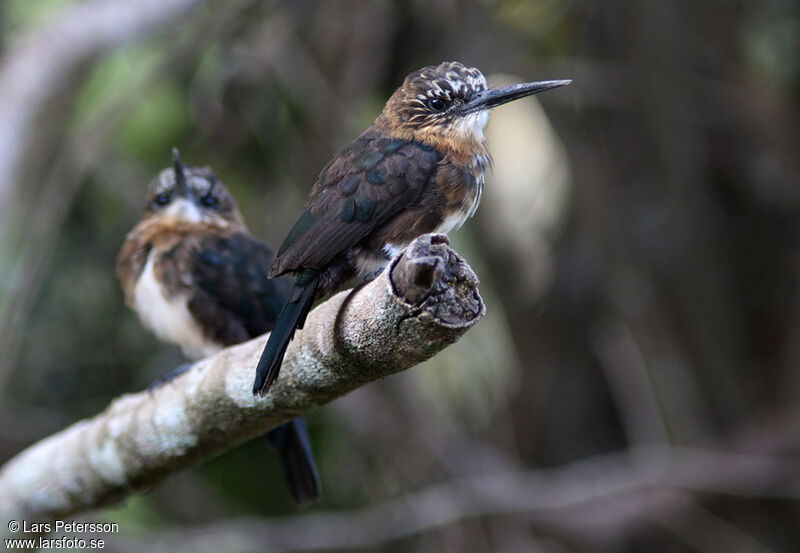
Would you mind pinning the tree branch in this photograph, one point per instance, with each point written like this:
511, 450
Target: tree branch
590, 500
424, 301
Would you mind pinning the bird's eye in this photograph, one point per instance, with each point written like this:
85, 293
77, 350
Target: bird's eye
162, 199
436, 104
209, 201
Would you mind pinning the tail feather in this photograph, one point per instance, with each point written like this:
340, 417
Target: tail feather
291, 318
293, 444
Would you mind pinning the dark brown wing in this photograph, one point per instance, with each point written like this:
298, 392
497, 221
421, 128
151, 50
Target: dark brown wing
364, 185
232, 295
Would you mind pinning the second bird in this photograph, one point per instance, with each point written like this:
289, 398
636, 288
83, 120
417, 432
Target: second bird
198, 279
419, 168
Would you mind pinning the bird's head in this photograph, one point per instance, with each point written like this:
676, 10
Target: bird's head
191, 196
447, 105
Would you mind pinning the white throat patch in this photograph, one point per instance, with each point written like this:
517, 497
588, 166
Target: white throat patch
182, 210
471, 127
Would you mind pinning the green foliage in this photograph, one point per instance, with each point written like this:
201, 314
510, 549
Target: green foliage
156, 124
772, 48
113, 76
19, 16
137, 516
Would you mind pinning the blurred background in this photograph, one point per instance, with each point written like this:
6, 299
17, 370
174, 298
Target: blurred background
635, 384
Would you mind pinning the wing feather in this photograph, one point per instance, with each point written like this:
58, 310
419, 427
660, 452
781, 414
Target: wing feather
232, 288
365, 184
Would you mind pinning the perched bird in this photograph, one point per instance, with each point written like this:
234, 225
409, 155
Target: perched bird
198, 279
418, 168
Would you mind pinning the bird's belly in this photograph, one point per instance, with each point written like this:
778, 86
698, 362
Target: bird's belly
169, 317
462, 202
387, 243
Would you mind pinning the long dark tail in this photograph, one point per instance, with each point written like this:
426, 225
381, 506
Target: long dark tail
293, 444
292, 317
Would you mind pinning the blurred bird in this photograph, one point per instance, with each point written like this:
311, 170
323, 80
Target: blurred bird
418, 168
198, 279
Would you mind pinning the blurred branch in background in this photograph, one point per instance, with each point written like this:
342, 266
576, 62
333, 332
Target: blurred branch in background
40, 70
592, 503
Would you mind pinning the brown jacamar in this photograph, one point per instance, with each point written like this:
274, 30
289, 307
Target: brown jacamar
198, 279
418, 168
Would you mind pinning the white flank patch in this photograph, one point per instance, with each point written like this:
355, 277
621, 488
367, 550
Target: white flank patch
453, 221
393, 250
368, 265
169, 319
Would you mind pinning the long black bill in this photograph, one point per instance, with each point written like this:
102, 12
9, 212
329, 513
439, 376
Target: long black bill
494, 97
180, 177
